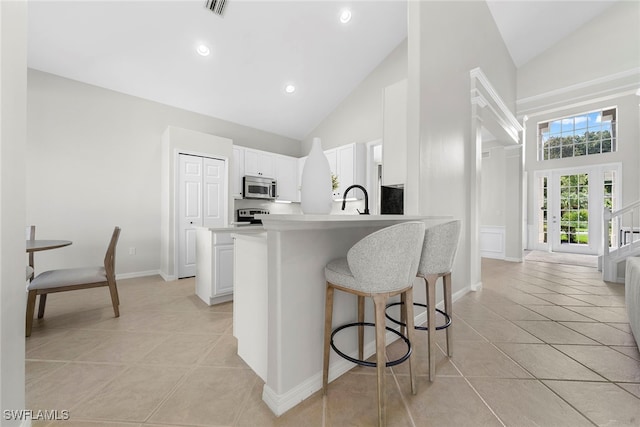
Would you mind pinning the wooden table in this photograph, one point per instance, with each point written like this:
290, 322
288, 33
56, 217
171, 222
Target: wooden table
37, 245
44, 245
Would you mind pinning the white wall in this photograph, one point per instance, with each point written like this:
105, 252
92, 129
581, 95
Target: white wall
596, 67
13, 82
447, 40
493, 186
358, 118
95, 162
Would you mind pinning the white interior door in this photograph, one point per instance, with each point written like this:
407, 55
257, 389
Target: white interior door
201, 199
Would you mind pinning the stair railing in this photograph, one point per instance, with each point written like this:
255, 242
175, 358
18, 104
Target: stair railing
621, 231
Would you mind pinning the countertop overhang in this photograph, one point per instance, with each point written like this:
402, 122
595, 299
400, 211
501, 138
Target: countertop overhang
236, 229
281, 222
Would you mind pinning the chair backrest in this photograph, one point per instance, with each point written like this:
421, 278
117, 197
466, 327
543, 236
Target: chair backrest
31, 235
110, 257
439, 248
387, 260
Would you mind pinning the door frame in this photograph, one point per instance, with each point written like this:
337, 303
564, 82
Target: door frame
176, 200
596, 210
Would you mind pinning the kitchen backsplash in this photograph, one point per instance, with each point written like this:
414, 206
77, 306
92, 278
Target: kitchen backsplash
294, 208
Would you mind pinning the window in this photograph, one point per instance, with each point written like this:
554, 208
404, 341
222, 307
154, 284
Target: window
581, 135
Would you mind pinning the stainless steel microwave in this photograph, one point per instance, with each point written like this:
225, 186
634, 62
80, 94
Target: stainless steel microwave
258, 187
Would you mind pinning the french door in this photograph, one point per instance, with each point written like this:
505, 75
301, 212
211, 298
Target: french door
571, 205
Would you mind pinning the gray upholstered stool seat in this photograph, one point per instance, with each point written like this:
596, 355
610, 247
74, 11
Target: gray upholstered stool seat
438, 253
381, 265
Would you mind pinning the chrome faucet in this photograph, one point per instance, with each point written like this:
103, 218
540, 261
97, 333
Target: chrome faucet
366, 198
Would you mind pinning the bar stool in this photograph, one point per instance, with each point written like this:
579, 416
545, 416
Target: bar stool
381, 265
438, 253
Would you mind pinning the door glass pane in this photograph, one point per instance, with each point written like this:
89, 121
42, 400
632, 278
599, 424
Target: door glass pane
574, 209
609, 181
542, 218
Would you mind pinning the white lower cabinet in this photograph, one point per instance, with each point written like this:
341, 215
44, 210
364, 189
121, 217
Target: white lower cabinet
223, 260
214, 266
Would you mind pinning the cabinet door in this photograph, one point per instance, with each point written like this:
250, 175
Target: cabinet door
287, 178
332, 157
300, 169
237, 172
224, 269
259, 163
346, 169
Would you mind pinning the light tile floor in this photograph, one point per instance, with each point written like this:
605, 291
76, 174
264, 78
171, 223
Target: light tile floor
540, 345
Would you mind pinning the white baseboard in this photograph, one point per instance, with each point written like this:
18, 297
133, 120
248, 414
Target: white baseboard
510, 259
137, 274
167, 277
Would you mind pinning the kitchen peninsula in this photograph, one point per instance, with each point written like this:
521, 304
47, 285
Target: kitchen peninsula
279, 289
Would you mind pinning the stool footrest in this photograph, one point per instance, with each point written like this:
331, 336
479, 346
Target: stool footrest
446, 324
365, 362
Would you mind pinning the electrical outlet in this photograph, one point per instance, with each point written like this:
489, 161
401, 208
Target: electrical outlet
132, 251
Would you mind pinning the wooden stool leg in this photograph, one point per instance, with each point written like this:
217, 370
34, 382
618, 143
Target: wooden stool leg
431, 323
42, 305
31, 308
448, 308
380, 301
328, 317
409, 315
360, 327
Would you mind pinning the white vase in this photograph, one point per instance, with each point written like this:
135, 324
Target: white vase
316, 190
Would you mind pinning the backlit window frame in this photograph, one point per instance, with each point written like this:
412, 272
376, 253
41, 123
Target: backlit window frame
578, 135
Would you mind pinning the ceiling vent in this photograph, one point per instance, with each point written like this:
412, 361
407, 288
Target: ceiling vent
216, 6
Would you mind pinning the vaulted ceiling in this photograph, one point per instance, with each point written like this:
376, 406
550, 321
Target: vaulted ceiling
148, 49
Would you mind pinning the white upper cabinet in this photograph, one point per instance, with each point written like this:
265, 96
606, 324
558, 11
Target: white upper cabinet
259, 163
348, 163
286, 174
237, 172
301, 161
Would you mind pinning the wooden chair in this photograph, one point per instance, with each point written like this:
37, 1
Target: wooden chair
31, 235
70, 279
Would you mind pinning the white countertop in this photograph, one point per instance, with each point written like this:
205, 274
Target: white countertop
305, 222
260, 237
237, 229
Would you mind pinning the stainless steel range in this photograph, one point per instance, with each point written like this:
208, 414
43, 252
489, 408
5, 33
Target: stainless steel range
248, 215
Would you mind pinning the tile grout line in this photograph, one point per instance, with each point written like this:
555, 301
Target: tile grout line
181, 381
474, 389
402, 397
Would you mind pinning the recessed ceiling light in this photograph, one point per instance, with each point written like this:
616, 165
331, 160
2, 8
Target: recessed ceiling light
289, 88
203, 50
345, 16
